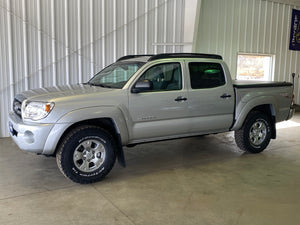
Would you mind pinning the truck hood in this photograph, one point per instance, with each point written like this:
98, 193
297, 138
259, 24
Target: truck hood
54, 94
74, 97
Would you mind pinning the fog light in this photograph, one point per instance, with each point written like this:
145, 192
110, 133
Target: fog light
28, 137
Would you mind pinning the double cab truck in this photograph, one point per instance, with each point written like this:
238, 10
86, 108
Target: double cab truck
145, 98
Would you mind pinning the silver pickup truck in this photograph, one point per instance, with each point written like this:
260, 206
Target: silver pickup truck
145, 98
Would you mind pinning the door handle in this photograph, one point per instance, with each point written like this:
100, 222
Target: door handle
225, 96
180, 99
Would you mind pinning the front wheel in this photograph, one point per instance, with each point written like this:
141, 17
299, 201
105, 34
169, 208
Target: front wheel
255, 135
86, 154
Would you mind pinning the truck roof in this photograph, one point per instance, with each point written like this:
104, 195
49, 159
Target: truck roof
146, 58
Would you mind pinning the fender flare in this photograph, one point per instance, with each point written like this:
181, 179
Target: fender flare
242, 111
86, 114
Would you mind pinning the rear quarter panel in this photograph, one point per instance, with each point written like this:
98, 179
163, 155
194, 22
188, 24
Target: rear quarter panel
279, 99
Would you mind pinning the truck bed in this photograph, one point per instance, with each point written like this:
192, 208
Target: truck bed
272, 94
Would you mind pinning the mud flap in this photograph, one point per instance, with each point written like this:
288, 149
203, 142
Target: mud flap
273, 127
120, 152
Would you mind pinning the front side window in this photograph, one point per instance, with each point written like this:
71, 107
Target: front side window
164, 77
206, 75
116, 75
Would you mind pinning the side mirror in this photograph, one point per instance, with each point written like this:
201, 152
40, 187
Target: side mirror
141, 86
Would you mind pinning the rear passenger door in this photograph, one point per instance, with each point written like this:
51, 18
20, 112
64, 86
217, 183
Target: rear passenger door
210, 98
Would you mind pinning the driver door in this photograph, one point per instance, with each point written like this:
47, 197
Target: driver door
162, 111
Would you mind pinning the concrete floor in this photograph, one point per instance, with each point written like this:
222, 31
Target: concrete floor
202, 180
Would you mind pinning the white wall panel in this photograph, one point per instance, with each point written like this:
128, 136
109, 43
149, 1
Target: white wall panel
250, 26
55, 42
4, 65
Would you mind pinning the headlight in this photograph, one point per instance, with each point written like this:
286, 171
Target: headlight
36, 110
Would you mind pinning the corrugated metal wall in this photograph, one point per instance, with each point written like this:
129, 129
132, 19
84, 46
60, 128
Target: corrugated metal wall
54, 42
249, 26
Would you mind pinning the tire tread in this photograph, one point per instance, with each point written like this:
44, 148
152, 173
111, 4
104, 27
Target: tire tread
242, 141
64, 142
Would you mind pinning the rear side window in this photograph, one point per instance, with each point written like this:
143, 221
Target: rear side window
206, 75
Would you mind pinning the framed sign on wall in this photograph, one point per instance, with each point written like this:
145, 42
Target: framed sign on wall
295, 31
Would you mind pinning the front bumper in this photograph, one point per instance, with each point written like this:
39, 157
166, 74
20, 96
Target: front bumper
29, 137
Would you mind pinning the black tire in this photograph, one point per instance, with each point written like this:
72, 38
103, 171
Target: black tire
255, 135
86, 154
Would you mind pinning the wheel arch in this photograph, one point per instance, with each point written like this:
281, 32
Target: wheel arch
107, 124
111, 118
267, 109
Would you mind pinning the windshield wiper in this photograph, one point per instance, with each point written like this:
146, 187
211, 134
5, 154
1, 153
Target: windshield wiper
104, 85
99, 85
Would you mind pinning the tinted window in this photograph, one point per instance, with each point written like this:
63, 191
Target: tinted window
164, 77
206, 75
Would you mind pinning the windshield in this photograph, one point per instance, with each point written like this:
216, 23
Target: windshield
116, 75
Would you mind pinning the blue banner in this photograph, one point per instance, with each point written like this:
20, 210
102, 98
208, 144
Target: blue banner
295, 31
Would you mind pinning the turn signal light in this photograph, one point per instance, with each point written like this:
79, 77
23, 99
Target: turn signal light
48, 108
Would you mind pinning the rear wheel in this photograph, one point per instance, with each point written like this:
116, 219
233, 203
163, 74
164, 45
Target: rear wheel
255, 134
86, 154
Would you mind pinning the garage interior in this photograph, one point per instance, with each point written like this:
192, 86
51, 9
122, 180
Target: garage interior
198, 180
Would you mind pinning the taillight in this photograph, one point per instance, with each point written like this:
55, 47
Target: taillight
292, 102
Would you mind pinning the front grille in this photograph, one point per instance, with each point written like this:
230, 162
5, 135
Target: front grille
17, 105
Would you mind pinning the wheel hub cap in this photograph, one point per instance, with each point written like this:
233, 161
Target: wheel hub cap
89, 155
258, 133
